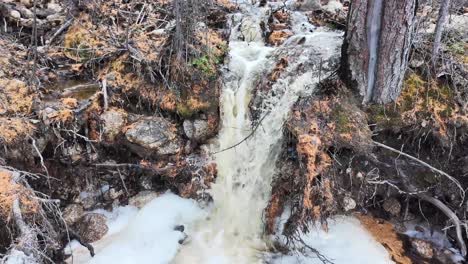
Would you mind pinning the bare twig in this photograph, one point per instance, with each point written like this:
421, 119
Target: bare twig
452, 179
246, 138
441, 206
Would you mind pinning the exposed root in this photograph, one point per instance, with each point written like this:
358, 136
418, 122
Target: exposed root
441, 206
29, 212
452, 179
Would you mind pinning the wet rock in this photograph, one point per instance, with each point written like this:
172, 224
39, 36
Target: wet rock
196, 129
142, 198
179, 228
91, 196
423, 248
72, 213
92, 227
145, 182
155, 134
308, 5
349, 203
112, 194
392, 206
333, 7
114, 120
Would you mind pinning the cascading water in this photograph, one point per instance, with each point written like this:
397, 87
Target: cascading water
246, 151
233, 231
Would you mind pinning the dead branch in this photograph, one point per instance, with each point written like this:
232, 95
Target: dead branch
441, 206
27, 242
139, 166
246, 138
452, 179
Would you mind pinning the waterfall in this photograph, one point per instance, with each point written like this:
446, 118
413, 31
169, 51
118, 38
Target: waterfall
233, 231
230, 230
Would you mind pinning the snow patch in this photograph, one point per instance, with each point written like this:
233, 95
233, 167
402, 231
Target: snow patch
346, 242
145, 236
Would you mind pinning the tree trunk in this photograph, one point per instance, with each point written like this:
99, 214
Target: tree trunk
376, 47
441, 19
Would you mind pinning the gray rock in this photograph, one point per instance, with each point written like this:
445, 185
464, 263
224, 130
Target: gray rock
196, 129
92, 227
142, 198
113, 121
349, 203
72, 213
145, 182
392, 206
423, 248
308, 5
156, 134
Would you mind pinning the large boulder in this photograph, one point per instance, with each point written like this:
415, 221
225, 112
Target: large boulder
155, 134
92, 227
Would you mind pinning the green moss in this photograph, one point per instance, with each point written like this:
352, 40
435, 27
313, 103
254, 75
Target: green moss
457, 48
184, 110
205, 65
385, 116
341, 119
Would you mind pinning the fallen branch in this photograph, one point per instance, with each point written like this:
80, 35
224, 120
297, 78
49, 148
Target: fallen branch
452, 179
246, 138
27, 242
441, 206
139, 166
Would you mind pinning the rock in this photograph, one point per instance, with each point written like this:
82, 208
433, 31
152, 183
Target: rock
308, 5
334, 7
196, 129
15, 14
145, 182
155, 134
349, 203
392, 206
72, 213
92, 227
54, 7
142, 198
423, 248
113, 120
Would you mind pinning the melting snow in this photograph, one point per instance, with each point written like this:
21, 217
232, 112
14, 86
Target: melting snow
346, 242
145, 236
148, 236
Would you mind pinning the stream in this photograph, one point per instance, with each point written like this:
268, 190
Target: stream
230, 230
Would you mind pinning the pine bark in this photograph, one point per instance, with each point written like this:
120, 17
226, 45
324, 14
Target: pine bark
376, 47
441, 19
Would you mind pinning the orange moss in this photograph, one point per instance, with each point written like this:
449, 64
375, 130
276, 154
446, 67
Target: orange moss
278, 37
69, 102
274, 209
81, 41
9, 191
385, 234
63, 116
213, 41
14, 129
14, 97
